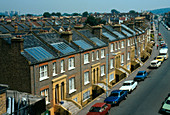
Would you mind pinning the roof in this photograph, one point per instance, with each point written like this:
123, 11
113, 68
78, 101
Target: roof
127, 33
132, 31
98, 41
121, 36
3, 88
84, 45
111, 37
154, 61
98, 105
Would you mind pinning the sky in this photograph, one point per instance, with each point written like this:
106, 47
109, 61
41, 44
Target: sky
80, 6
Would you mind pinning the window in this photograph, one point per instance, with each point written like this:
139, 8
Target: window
116, 46
97, 55
102, 53
143, 46
143, 37
54, 68
111, 63
43, 73
128, 42
122, 58
62, 66
75, 99
86, 58
71, 63
45, 93
86, 78
128, 56
92, 56
122, 44
128, 67
102, 70
111, 77
139, 39
72, 85
86, 95
111, 47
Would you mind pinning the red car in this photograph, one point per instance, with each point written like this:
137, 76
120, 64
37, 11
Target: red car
99, 109
159, 34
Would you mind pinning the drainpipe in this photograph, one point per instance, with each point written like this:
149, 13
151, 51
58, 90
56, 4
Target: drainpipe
34, 79
81, 78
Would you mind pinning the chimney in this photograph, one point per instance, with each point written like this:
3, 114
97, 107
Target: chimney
16, 28
131, 26
17, 43
117, 27
67, 35
97, 30
30, 27
53, 21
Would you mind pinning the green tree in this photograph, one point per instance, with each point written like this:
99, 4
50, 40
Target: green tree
58, 14
91, 21
75, 14
132, 11
114, 11
53, 14
85, 14
47, 14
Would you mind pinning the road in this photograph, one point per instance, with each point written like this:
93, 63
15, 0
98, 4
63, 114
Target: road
149, 95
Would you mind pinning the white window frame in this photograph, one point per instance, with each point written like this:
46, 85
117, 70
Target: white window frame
111, 77
122, 44
86, 95
116, 46
111, 47
71, 63
62, 66
44, 72
128, 42
111, 63
45, 93
102, 70
122, 58
102, 53
86, 58
92, 56
86, 78
97, 55
54, 69
128, 56
72, 85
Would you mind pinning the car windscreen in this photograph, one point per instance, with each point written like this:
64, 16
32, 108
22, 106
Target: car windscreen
95, 109
168, 102
153, 63
159, 58
114, 94
140, 73
126, 84
162, 54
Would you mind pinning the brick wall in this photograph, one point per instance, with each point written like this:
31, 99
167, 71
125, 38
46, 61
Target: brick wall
2, 103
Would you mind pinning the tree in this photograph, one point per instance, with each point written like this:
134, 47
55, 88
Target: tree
47, 15
85, 14
114, 11
58, 14
75, 14
91, 21
53, 14
132, 12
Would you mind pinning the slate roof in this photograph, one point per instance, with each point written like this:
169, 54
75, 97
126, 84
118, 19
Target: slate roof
111, 37
132, 31
98, 41
9, 27
127, 33
86, 33
3, 30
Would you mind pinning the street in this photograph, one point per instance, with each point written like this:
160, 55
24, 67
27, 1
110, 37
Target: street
149, 95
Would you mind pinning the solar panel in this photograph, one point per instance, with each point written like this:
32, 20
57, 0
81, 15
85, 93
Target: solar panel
39, 53
128, 29
109, 36
10, 28
118, 34
84, 45
63, 47
3, 30
127, 33
97, 41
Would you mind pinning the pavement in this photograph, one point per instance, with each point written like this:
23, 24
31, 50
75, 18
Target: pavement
145, 66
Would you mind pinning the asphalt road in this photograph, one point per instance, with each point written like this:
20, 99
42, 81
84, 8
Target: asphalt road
149, 95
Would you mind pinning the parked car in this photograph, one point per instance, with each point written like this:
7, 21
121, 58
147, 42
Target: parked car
116, 97
129, 85
165, 108
160, 58
155, 64
164, 52
99, 109
141, 75
159, 34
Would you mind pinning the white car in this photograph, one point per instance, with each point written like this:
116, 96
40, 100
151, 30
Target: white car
155, 64
129, 85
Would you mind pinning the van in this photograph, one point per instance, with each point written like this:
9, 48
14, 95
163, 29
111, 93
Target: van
164, 52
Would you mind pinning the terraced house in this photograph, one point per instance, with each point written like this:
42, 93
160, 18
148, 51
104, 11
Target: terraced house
69, 64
